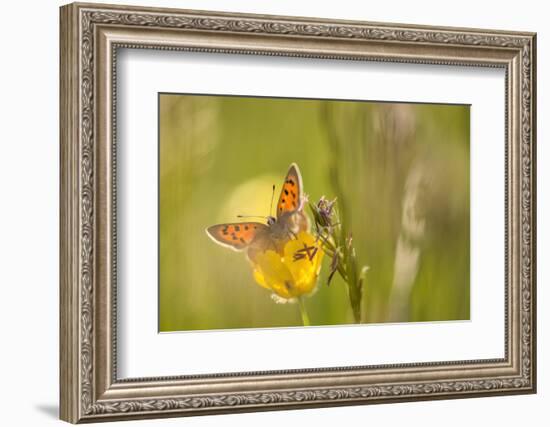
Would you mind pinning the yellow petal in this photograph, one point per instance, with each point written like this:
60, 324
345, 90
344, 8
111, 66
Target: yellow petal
293, 274
273, 274
259, 277
303, 259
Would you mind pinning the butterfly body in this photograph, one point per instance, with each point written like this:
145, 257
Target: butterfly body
255, 237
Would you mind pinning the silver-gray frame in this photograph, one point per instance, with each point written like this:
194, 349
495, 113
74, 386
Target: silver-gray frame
90, 37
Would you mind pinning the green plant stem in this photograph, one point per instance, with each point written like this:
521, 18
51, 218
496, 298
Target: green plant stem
303, 312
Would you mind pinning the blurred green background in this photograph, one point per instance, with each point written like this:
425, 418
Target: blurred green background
401, 173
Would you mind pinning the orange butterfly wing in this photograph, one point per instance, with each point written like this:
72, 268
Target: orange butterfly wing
236, 236
290, 199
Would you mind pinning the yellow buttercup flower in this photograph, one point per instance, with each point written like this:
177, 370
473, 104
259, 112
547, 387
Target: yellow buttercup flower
292, 274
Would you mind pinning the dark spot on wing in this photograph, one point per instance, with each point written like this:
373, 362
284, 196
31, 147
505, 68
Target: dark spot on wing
246, 227
237, 228
293, 194
286, 192
242, 240
290, 181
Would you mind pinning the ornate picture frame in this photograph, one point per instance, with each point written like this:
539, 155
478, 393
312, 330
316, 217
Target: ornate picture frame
90, 37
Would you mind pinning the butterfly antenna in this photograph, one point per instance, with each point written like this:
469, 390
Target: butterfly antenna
261, 216
272, 196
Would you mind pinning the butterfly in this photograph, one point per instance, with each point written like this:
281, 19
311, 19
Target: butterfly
256, 237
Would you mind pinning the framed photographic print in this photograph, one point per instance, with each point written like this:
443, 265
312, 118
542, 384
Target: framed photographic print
264, 212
